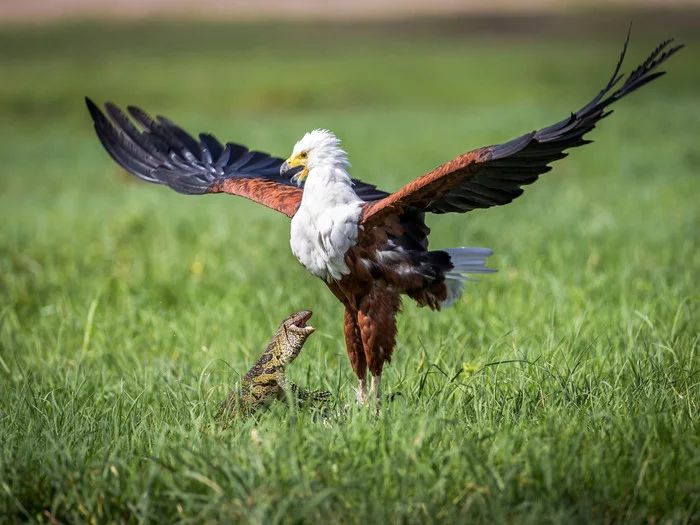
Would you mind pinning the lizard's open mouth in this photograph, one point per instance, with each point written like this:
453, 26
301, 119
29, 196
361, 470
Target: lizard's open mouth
300, 322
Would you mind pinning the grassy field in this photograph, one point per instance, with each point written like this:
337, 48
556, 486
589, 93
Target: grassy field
565, 388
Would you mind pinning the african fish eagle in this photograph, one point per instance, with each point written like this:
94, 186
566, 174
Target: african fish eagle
369, 247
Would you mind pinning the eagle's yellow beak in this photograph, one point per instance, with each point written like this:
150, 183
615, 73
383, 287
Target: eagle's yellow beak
293, 162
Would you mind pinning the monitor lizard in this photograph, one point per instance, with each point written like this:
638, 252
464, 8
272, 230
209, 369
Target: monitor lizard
266, 380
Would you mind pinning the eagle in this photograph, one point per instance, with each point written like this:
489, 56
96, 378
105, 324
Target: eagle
370, 247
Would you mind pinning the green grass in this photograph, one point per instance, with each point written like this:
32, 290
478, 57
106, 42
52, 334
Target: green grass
563, 389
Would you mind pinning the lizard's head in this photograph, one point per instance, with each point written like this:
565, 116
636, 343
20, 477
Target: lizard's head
293, 332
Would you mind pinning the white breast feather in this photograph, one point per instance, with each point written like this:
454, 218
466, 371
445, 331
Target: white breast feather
325, 226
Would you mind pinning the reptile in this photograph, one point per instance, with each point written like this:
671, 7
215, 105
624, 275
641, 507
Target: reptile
266, 380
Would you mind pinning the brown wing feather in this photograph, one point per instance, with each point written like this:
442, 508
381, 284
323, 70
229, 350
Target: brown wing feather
284, 199
493, 175
431, 187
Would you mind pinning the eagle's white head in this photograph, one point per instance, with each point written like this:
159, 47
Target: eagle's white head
317, 149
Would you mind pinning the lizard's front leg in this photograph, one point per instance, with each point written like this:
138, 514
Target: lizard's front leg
303, 395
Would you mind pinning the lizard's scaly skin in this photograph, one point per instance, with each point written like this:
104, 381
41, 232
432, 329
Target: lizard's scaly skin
266, 380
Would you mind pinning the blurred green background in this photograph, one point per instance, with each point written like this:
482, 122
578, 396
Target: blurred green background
127, 311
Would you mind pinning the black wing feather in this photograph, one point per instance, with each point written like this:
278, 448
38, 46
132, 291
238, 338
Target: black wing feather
507, 167
163, 153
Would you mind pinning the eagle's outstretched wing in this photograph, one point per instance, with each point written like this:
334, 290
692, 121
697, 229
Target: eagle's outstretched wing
493, 175
163, 153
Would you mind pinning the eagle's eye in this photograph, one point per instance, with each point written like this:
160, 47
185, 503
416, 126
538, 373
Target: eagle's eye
303, 155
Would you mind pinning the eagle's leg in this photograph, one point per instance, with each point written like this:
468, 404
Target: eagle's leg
356, 353
374, 388
362, 391
377, 321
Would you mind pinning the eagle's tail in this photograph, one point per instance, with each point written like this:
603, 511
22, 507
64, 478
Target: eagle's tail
464, 261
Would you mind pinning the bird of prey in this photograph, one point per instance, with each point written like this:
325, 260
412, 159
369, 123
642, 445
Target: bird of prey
369, 247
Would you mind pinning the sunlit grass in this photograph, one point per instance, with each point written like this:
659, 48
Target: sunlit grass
562, 389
